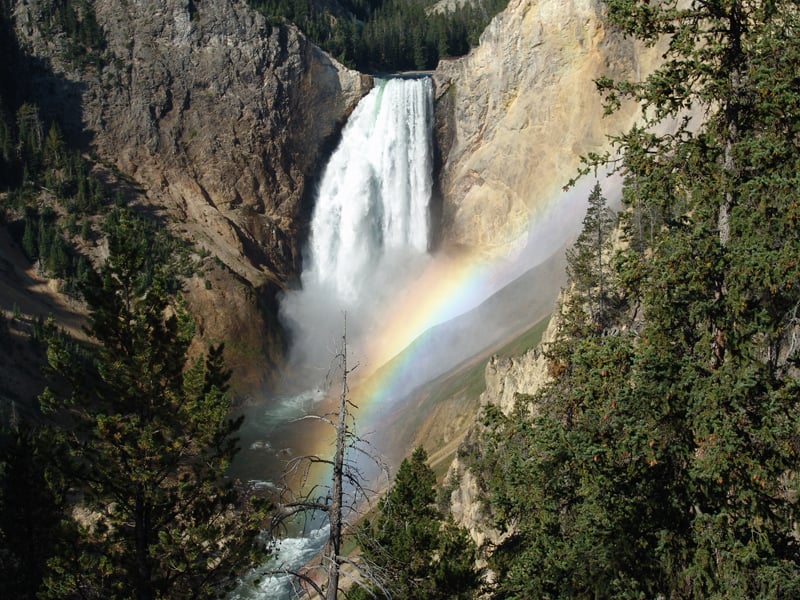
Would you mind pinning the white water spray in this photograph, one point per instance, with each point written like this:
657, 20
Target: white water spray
370, 228
369, 238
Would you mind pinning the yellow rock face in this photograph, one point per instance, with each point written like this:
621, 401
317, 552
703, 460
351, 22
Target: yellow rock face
515, 115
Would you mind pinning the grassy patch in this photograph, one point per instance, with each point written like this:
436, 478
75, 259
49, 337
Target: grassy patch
529, 339
469, 382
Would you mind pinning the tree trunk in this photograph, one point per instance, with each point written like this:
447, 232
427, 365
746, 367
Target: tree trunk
144, 583
734, 60
335, 514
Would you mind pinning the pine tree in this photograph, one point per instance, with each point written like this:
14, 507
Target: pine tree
415, 551
30, 243
662, 461
720, 288
31, 505
150, 439
588, 259
54, 152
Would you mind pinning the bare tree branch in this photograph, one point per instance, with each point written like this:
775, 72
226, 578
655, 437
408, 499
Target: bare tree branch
338, 503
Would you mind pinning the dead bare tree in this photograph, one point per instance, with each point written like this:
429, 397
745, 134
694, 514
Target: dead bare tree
340, 502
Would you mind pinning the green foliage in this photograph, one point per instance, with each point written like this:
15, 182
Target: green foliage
588, 260
76, 19
32, 160
413, 549
43, 243
158, 247
373, 35
150, 440
31, 503
662, 459
46, 178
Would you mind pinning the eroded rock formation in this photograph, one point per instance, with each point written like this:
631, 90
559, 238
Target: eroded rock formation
515, 115
506, 377
221, 118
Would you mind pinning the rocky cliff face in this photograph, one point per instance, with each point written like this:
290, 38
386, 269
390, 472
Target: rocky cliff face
221, 118
515, 114
513, 117
506, 377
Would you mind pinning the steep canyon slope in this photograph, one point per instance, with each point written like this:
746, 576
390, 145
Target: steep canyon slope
513, 118
221, 119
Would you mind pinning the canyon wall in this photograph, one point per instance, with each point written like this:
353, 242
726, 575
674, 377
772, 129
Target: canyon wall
221, 119
505, 377
513, 118
516, 113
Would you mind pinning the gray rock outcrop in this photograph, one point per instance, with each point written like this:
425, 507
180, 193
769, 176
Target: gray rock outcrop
219, 115
505, 377
221, 118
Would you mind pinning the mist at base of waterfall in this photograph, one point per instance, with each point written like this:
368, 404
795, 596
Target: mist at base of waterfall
370, 230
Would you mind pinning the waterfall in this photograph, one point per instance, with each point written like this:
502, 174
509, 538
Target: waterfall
370, 234
373, 199
370, 228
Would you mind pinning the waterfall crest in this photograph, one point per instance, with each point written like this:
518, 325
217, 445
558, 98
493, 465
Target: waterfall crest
370, 228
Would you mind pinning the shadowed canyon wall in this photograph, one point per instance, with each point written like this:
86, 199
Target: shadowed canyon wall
222, 120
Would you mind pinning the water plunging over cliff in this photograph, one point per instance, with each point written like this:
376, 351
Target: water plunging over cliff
371, 221
373, 200
370, 234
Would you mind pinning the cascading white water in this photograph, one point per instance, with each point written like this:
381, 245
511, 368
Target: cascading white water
369, 238
373, 199
371, 223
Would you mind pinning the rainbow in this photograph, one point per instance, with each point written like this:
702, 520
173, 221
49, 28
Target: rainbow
448, 287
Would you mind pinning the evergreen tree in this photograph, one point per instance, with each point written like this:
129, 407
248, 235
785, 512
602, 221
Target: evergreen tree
150, 440
86, 230
588, 259
375, 35
30, 244
662, 461
54, 152
58, 261
7, 144
31, 504
413, 549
